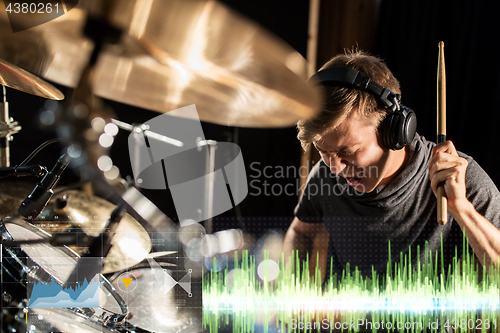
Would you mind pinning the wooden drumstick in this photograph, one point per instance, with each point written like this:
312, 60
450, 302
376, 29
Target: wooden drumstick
442, 204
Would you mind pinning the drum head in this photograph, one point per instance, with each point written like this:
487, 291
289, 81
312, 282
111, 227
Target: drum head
45, 263
58, 262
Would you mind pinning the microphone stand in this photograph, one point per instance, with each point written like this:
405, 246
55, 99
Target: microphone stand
43, 191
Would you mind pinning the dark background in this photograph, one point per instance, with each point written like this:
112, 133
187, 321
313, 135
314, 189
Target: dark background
405, 34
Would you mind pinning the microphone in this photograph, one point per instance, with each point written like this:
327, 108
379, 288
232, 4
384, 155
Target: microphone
39, 197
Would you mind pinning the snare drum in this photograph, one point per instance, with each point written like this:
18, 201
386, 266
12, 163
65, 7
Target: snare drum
42, 263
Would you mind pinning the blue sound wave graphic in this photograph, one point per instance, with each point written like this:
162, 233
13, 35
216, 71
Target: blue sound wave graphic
53, 295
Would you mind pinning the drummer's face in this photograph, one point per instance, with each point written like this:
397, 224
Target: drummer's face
354, 151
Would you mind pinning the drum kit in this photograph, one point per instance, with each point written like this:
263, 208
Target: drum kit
154, 54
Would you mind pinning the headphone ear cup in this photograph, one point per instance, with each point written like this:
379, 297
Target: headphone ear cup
409, 126
398, 129
386, 131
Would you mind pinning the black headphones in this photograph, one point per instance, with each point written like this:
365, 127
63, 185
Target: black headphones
399, 126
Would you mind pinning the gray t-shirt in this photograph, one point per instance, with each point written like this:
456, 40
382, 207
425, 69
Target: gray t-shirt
403, 211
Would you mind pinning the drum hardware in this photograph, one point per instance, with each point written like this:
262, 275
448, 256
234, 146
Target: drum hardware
32, 206
209, 181
12, 192
8, 127
145, 129
155, 220
19, 79
85, 124
53, 263
49, 179
26, 170
12, 314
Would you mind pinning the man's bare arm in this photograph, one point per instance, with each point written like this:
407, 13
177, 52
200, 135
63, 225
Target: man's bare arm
309, 238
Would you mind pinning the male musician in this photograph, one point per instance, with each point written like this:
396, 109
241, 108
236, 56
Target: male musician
364, 194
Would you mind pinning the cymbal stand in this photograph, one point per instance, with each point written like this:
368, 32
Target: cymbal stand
8, 127
145, 129
209, 182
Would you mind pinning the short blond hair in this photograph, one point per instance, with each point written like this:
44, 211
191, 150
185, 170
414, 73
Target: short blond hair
339, 101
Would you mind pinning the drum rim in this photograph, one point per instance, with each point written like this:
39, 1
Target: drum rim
37, 273
84, 320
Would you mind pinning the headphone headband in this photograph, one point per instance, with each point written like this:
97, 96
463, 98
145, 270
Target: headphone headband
347, 76
399, 126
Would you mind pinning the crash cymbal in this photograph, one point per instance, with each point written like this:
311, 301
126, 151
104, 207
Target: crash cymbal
176, 53
17, 78
131, 242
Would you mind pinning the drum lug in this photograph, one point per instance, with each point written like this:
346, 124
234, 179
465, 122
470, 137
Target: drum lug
87, 312
6, 297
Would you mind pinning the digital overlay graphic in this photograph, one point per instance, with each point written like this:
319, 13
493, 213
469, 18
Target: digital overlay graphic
288, 298
53, 295
205, 178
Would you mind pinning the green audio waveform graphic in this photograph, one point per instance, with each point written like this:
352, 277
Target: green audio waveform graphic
423, 298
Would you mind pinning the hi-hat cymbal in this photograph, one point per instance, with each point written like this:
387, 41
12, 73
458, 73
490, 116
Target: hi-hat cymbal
17, 78
12, 194
131, 243
176, 53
